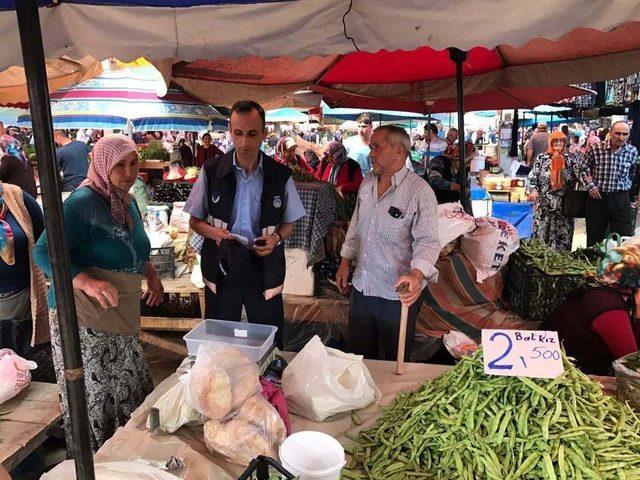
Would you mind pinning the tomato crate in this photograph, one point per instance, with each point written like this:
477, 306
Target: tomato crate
534, 294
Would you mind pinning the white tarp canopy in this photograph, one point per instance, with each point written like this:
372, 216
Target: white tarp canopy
193, 29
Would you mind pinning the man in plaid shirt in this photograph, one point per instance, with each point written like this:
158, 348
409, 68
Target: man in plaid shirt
607, 170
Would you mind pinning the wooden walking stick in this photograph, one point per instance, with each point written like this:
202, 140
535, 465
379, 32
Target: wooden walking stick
402, 334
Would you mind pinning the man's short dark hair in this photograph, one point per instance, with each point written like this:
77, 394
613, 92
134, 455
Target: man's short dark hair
206, 135
431, 127
61, 131
564, 129
364, 118
247, 106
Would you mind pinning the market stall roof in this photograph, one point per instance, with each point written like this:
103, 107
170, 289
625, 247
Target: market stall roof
427, 74
378, 115
286, 115
194, 29
421, 74
501, 98
60, 73
113, 99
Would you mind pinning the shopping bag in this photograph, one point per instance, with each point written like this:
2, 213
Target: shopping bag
15, 374
321, 381
574, 204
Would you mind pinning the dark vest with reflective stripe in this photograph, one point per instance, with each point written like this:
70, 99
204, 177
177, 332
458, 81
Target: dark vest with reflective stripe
221, 193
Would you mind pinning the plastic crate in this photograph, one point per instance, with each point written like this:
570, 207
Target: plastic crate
163, 261
534, 294
252, 339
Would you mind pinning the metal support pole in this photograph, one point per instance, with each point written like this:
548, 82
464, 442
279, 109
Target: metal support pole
34, 66
524, 132
458, 57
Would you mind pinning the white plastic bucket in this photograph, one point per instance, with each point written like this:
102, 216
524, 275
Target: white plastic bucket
312, 456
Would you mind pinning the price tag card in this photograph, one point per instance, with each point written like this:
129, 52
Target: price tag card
522, 353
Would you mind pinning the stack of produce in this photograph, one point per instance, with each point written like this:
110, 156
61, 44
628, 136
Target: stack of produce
169, 193
553, 262
540, 278
468, 425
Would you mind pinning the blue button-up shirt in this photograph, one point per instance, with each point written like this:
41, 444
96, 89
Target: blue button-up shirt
245, 215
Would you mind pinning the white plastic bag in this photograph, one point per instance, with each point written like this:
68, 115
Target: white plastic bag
221, 379
453, 222
321, 382
256, 429
458, 344
15, 374
179, 219
175, 411
489, 246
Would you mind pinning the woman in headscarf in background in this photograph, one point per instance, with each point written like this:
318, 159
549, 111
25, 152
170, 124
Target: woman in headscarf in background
340, 170
24, 322
592, 138
312, 158
552, 176
286, 154
109, 251
598, 322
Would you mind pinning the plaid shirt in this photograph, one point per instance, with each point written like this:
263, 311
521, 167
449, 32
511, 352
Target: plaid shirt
611, 171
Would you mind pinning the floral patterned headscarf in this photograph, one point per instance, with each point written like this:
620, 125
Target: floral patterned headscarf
107, 152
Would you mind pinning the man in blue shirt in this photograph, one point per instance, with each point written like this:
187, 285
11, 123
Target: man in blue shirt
73, 160
358, 145
245, 205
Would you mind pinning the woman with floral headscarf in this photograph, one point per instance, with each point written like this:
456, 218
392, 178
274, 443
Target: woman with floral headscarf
598, 322
286, 154
109, 252
552, 176
339, 170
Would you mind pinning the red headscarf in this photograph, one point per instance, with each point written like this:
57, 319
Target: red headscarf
107, 152
557, 161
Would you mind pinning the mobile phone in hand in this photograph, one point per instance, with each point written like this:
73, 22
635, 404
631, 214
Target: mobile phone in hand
261, 242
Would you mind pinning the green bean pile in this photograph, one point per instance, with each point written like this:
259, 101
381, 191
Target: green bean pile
468, 425
551, 262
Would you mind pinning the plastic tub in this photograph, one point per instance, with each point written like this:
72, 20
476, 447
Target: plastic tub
252, 339
312, 455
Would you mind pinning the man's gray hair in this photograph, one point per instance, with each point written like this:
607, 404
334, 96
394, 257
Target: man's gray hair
397, 136
618, 122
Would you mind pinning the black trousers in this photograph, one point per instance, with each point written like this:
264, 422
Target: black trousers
245, 287
613, 211
374, 322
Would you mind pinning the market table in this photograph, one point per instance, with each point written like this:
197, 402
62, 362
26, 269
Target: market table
133, 441
26, 421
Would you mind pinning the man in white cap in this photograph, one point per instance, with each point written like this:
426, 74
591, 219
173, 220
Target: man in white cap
538, 143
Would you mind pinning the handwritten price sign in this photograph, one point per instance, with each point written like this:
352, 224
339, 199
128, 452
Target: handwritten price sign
522, 353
